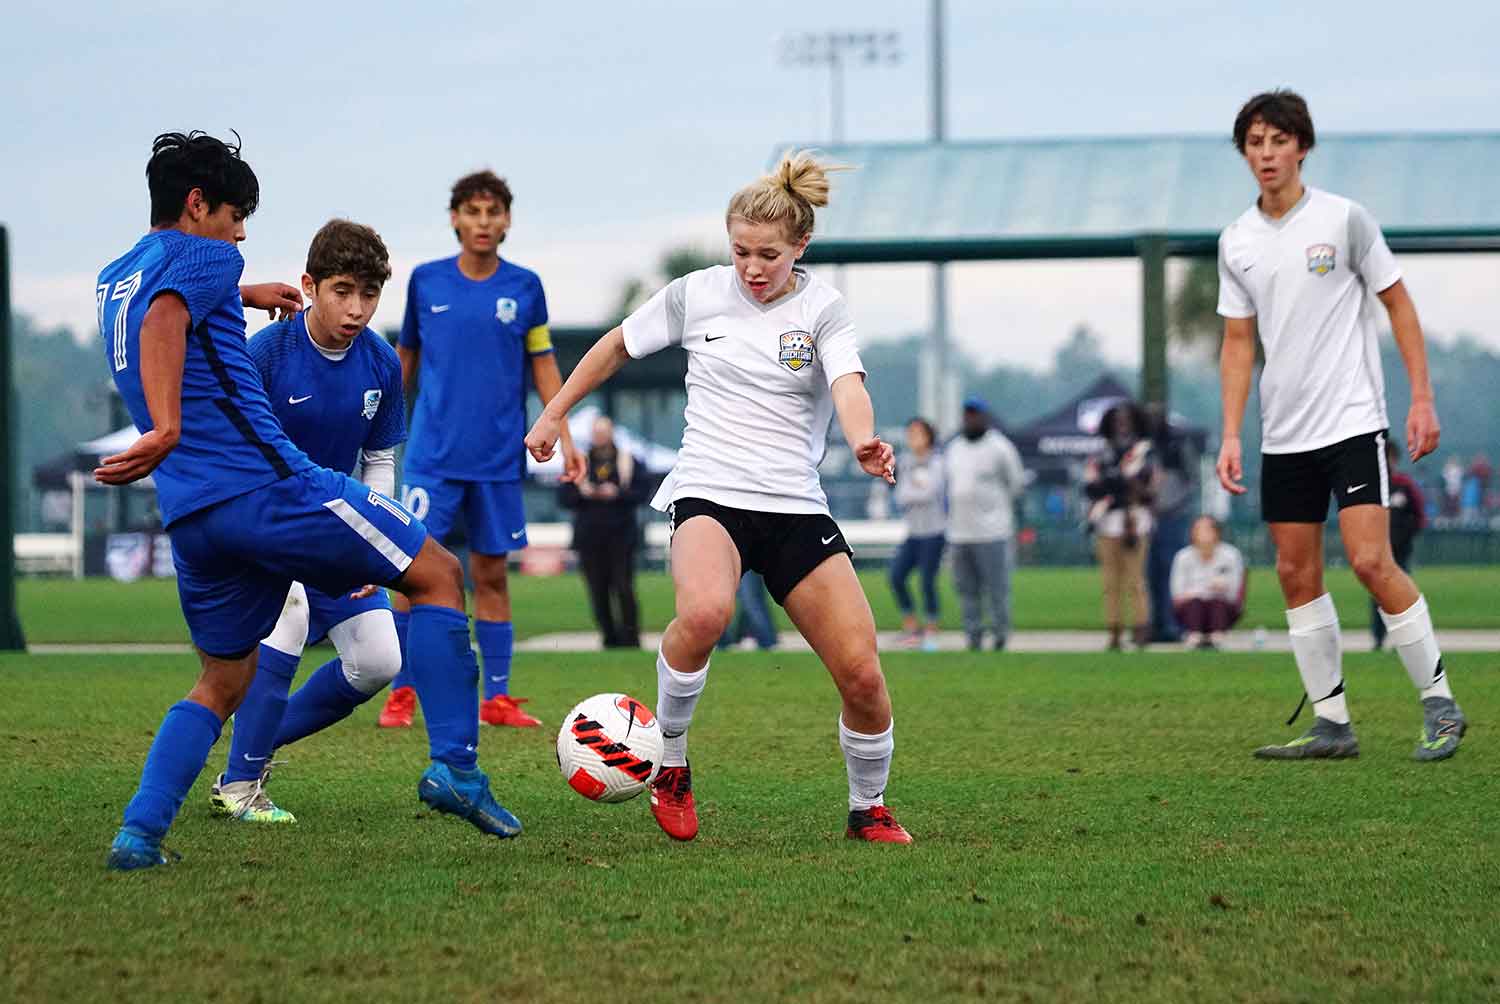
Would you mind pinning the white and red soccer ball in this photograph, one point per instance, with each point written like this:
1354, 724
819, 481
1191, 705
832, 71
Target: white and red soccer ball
609, 747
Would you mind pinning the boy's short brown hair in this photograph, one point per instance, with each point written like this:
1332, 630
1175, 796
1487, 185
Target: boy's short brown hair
343, 247
480, 183
1283, 109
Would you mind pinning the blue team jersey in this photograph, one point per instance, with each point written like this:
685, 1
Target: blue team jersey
475, 340
331, 408
231, 443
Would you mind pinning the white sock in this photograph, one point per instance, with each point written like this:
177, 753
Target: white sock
1410, 633
676, 697
868, 760
1317, 647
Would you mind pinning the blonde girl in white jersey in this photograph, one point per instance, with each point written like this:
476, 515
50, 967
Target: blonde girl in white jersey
771, 358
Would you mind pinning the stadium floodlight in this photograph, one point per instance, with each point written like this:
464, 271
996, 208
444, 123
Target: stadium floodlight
836, 50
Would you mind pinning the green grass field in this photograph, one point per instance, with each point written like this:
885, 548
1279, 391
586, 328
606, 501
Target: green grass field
1090, 828
100, 610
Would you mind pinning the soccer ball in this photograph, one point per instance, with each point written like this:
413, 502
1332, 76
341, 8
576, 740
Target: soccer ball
609, 748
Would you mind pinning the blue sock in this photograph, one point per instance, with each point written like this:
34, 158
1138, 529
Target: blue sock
259, 717
496, 639
443, 669
403, 624
325, 698
178, 753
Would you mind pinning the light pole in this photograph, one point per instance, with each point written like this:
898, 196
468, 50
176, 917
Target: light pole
836, 50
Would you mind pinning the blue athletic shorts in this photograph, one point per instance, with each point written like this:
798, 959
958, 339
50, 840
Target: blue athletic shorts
493, 511
327, 610
237, 559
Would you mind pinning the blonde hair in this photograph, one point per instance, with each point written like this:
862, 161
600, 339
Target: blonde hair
788, 195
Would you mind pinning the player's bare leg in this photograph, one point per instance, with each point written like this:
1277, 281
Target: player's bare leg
492, 625
829, 607
1317, 646
1367, 543
705, 575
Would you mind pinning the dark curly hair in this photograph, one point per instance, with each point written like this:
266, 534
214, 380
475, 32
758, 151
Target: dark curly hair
480, 183
343, 247
181, 162
1283, 109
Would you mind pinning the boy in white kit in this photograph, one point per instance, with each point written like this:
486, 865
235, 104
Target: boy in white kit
1302, 266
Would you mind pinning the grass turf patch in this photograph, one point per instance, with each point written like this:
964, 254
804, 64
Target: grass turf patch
101, 610
1089, 827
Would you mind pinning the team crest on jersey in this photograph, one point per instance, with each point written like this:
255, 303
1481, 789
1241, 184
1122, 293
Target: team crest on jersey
505, 309
796, 350
372, 403
1321, 258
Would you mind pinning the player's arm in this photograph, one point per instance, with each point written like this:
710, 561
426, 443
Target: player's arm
851, 402
1236, 366
1422, 429
409, 360
275, 298
547, 379
602, 361
163, 352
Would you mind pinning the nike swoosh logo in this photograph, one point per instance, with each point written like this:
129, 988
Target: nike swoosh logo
517, 535
1355, 488
252, 759
829, 540
1248, 267
438, 308
298, 400
713, 338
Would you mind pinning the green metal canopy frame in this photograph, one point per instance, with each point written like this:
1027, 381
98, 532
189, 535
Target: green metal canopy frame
11, 637
1139, 197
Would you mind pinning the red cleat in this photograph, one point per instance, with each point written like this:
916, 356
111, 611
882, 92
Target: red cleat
876, 825
502, 709
672, 803
399, 705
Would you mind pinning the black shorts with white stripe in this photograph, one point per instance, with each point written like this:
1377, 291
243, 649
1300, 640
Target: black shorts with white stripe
784, 547
1295, 487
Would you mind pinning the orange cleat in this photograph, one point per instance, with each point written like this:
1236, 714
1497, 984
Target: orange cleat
399, 705
502, 709
672, 803
876, 825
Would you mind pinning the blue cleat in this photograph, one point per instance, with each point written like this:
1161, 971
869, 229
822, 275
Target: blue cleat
132, 851
466, 794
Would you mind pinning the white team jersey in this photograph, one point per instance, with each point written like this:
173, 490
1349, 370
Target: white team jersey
758, 386
1309, 280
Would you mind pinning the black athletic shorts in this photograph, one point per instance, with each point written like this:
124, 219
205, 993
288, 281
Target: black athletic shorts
1294, 487
784, 547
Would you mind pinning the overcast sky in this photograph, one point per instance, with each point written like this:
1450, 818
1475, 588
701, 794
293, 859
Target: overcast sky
624, 128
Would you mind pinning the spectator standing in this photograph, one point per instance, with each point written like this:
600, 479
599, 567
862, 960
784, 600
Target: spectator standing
984, 477
1172, 512
1207, 585
920, 495
1120, 483
1453, 483
605, 534
1408, 512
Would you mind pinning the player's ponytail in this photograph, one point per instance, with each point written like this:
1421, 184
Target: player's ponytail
788, 195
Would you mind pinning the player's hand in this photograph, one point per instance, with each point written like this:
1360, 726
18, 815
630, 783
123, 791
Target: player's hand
877, 459
365, 593
143, 457
541, 441
609, 490
1230, 467
275, 298
1422, 430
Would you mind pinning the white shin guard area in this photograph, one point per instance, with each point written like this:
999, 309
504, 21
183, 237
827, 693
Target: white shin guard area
368, 649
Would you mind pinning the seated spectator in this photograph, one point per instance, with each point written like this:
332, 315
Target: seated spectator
1208, 585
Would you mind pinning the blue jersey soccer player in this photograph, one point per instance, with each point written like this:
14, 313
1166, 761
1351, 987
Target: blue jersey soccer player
248, 512
335, 386
475, 325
